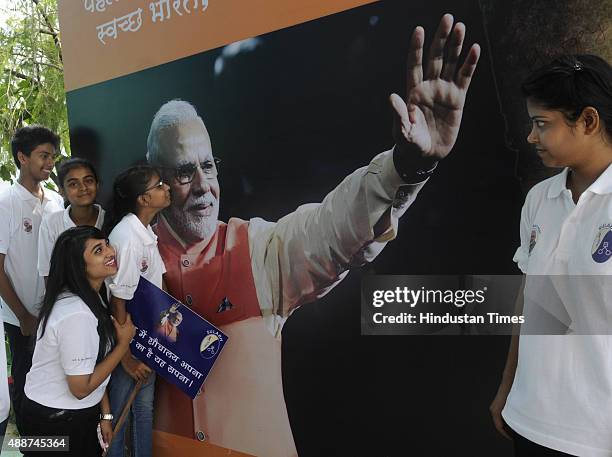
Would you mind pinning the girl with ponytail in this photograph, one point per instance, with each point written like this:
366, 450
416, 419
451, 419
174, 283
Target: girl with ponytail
138, 195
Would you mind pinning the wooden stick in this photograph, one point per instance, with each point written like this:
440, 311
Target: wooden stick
124, 413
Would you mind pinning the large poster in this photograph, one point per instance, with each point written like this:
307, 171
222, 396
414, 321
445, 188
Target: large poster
290, 98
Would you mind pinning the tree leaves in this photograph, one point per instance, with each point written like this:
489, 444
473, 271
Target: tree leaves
32, 77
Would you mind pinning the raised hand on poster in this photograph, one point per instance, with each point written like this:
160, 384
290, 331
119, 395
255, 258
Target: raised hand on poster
427, 123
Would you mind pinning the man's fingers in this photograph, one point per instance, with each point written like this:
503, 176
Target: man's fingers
453, 51
403, 118
436, 50
400, 108
414, 73
464, 76
412, 114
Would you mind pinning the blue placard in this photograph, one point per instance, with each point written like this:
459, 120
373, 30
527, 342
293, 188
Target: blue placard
170, 338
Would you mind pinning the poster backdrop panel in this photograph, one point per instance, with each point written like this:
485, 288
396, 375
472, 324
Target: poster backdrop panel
291, 110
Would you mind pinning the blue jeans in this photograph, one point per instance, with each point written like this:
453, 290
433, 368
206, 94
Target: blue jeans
141, 413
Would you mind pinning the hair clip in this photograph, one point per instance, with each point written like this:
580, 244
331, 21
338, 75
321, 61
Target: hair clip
578, 66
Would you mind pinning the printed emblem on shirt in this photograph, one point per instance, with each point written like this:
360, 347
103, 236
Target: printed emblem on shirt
533, 238
225, 305
27, 225
144, 265
210, 345
602, 244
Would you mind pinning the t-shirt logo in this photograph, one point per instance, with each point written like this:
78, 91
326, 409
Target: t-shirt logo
144, 265
533, 239
27, 225
602, 245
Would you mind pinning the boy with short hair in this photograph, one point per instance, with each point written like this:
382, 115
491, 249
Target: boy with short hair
22, 206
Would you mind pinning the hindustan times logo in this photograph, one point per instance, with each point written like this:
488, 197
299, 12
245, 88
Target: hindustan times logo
413, 297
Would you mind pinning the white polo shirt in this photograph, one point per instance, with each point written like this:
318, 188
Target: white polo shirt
21, 213
69, 347
137, 255
561, 397
51, 227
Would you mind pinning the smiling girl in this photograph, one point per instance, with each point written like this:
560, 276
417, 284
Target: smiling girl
78, 183
78, 346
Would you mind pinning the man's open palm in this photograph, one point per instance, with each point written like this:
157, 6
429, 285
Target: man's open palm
428, 122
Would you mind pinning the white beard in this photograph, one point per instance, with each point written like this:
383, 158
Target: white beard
190, 227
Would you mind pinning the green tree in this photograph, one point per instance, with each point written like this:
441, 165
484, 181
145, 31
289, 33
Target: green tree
32, 79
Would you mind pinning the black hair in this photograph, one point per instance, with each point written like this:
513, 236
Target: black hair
28, 138
128, 186
68, 273
72, 164
570, 83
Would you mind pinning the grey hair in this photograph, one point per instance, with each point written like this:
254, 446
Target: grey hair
169, 115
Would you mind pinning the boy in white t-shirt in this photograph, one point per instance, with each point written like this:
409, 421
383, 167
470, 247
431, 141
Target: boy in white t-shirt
21, 209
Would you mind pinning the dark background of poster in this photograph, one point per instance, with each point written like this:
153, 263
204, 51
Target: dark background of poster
289, 120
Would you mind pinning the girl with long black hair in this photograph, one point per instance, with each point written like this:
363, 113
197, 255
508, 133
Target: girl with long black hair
78, 345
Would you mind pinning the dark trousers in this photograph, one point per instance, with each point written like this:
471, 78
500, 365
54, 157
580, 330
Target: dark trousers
79, 425
22, 349
3, 425
525, 448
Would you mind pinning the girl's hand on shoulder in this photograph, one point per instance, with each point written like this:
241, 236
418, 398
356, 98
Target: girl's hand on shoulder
125, 332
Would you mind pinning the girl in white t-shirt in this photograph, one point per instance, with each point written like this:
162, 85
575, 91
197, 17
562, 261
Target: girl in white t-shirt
139, 194
555, 397
78, 346
78, 183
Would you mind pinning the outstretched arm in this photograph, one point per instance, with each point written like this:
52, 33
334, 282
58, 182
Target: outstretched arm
308, 252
